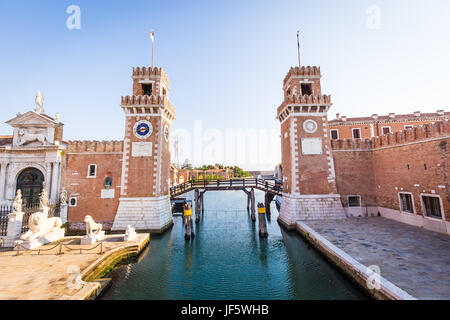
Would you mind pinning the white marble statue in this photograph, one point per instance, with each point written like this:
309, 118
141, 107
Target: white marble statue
40, 225
43, 200
130, 234
92, 228
26, 136
17, 203
42, 230
39, 102
63, 196
94, 231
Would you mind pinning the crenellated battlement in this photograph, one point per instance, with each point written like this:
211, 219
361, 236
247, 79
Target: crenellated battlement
304, 71
149, 72
312, 100
416, 134
144, 100
94, 146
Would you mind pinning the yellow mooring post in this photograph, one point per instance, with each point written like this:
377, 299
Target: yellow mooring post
262, 221
188, 224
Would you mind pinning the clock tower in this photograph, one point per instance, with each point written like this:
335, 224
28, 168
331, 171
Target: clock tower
144, 192
309, 180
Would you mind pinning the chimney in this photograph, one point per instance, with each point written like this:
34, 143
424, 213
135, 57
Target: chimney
391, 115
344, 118
440, 112
337, 116
374, 116
416, 113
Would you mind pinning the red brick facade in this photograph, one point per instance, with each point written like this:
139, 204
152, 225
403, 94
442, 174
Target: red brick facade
375, 126
413, 162
84, 191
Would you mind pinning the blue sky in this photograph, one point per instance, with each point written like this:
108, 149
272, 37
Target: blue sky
226, 59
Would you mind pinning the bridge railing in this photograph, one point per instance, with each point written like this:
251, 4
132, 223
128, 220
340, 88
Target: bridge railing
268, 185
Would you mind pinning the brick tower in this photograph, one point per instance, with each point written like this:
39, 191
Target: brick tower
145, 201
309, 181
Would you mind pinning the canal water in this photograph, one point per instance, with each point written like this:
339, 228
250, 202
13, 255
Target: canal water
227, 260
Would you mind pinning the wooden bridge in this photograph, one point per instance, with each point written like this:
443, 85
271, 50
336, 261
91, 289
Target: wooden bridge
271, 189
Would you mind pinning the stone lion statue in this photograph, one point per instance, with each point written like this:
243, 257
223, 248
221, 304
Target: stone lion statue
26, 137
40, 225
92, 228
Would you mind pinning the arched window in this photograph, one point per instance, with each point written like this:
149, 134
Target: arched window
108, 182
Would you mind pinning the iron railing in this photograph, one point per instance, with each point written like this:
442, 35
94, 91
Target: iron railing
4, 211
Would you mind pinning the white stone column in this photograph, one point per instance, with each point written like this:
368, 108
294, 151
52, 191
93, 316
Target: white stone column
54, 192
48, 177
14, 228
2, 180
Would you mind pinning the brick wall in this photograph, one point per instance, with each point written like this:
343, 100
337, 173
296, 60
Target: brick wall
413, 161
107, 155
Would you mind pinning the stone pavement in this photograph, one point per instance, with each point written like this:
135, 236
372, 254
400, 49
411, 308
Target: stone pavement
45, 277
414, 259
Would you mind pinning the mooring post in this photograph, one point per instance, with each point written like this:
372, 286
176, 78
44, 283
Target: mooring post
267, 202
252, 195
187, 233
187, 216
191, 223
203, 203
197, 206
262, 221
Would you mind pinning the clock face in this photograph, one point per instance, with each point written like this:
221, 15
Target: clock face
143, 129
310, 126
166, 133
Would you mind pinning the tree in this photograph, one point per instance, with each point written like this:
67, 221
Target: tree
186, 165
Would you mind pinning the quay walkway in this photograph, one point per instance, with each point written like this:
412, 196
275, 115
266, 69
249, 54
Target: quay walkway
49, 275
414, 259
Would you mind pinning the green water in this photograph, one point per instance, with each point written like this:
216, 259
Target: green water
227, 260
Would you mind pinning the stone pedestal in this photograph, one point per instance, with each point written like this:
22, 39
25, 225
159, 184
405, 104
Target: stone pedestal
63, 212
14, 229
145, 214
310, 207
93, 238
46, 239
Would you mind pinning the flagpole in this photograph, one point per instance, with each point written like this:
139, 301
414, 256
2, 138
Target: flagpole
152, 36
298, 47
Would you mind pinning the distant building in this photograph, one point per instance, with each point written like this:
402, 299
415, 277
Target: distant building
184, 175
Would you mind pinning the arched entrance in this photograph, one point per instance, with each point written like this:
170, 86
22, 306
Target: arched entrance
30, 181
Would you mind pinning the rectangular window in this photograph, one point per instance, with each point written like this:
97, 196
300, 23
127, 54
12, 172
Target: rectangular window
386, 130
356, 133
409, 127
406, 203
432, 207
354, 201
306, 89
334, 134
92, 171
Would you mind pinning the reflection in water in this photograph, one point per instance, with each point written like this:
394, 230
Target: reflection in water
228, 260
